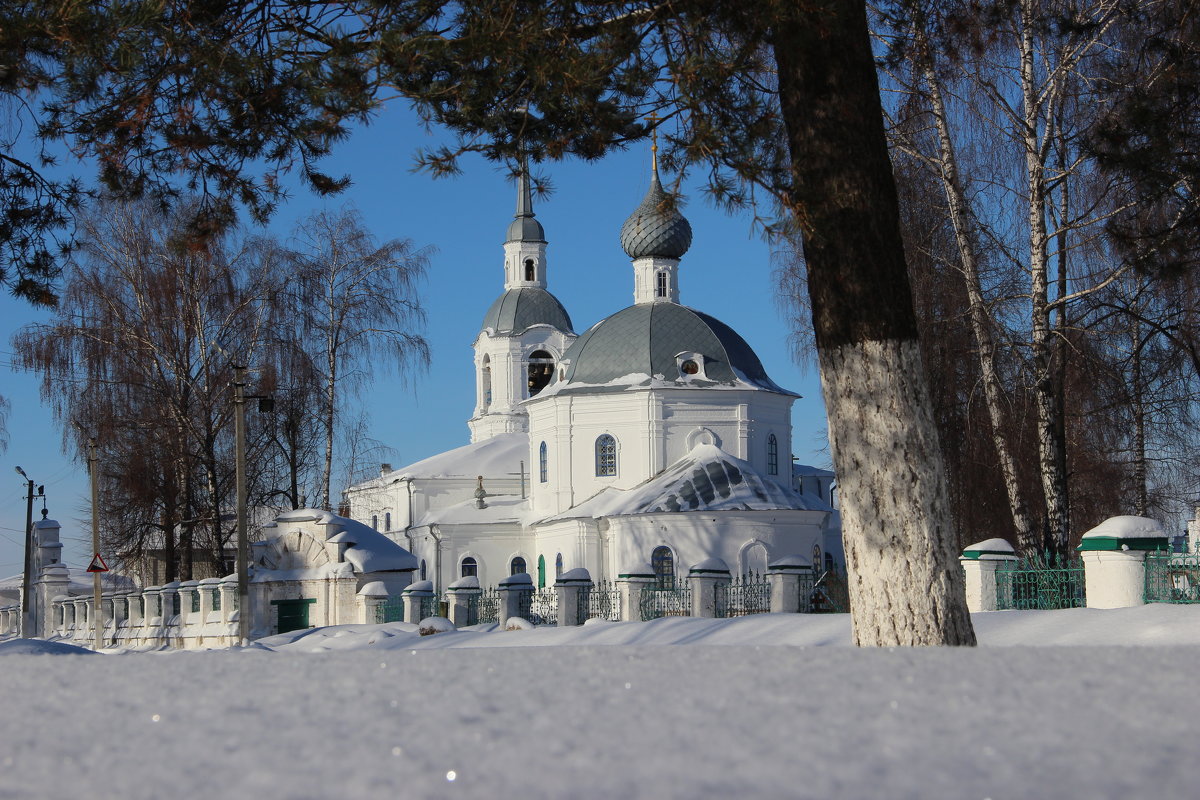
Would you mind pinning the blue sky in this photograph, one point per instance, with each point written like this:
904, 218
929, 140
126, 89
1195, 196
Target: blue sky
727, 273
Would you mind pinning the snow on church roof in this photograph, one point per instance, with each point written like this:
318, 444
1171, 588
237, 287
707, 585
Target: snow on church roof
498, 455
368, 551
706, 479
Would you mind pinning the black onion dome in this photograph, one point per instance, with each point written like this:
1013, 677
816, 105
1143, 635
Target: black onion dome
656, 228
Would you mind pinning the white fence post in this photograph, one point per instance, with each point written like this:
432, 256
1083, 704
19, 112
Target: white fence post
631, 583
513, 590
784, 574
568, 586
979, 563
704, 578
415, 594
459, 595
1114, 560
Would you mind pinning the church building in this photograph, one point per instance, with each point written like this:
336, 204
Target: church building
655, 437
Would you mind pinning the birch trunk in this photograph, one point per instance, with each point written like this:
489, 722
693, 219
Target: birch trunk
1027, 538
1050, 460
905, 584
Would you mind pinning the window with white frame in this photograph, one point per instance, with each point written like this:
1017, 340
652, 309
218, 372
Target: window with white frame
606, 456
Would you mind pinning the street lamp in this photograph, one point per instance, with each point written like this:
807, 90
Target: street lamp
27, 626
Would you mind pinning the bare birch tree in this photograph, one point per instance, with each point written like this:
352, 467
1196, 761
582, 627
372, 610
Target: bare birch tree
360, 313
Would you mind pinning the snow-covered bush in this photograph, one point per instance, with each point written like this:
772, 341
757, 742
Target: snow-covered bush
518, 624
431, 625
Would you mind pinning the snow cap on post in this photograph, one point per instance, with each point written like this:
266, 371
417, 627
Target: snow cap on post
425, 587
642, 570
1125, 533
577, 575
989, 550
792, 563
710, 566
469, 582
373, 589
520, 579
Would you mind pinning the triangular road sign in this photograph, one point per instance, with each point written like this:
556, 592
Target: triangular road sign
97, 564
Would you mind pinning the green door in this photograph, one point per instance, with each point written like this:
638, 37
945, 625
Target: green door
541, 572
293, 614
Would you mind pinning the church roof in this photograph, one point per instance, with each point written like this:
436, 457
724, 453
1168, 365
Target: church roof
498, 455
642, 342
705, 479
518, 310
656, 228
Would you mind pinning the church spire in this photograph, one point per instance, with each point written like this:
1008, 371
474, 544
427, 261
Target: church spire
525, 227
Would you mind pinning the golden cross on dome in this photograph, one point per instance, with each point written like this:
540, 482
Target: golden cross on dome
653, 118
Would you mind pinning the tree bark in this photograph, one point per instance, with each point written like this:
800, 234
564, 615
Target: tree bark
1050, 452
905, 584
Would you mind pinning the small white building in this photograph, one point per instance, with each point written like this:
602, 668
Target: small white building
654, 437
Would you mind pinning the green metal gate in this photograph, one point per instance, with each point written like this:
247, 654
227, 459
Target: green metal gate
293, 614
1173, 577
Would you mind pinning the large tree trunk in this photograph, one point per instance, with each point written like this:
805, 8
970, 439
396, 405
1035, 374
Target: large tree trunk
1028, 539
905, 584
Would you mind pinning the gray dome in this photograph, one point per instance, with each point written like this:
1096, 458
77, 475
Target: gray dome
647, 338
526, 229
517, 310
656, 228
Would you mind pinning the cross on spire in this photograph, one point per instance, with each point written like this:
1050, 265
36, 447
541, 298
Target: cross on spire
653, 118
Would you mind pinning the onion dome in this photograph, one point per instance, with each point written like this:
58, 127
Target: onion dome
518, 310
656, 228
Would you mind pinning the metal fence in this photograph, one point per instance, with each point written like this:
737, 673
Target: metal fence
542, 606
675, 602
744, 595
829, 594
391, 610
483, 608
602, 601
1045, 583
1173, 577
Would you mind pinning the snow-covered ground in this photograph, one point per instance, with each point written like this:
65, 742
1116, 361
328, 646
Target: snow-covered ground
1081, 703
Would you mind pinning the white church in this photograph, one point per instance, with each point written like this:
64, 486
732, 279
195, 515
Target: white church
653, 438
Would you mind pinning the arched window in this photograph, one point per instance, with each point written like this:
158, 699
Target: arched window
772, 455
558, 565
387, 521
541, 370
530, 273
517, 566
375, 521
543, 472
661, 289
663, 561
424, 576
470, 568
485, 381
829, 562
816, 564
606, 456
541, 572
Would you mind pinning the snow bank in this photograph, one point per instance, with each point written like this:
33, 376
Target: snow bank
610, 717
38, 647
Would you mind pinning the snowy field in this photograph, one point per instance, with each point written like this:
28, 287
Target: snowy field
1065, 704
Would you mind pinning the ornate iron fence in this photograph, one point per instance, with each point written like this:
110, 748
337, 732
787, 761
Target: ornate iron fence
484, 607
675, 602
1045, 583
744, 595
602, 601
543, 606
829, 594
391, 610
1173, 577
